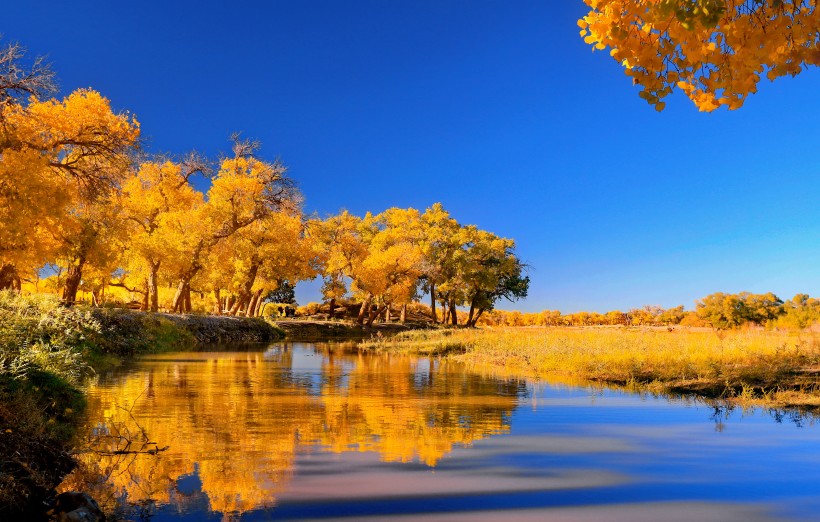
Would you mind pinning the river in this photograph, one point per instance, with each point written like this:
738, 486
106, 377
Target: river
320, 431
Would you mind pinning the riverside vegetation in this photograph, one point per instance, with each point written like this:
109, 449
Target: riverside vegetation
46, 349
749, 366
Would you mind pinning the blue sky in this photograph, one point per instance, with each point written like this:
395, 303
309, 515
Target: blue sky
496, 109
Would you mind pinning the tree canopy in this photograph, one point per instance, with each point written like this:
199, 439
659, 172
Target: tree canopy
715, 51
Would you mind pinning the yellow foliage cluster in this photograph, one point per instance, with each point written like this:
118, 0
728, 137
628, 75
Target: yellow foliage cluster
59, 161
646, 316
715, 51
390, 257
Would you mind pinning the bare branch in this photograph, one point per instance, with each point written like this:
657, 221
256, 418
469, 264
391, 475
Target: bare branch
243, 148
18, 81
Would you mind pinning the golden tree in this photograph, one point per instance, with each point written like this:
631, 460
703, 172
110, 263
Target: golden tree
715, 51
440, 243
259, 258
244, 191
57, 160
158, 203
339, 248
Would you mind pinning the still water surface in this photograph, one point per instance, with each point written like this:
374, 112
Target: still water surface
314, 431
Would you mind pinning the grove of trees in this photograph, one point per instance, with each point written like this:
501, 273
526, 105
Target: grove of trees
83, 211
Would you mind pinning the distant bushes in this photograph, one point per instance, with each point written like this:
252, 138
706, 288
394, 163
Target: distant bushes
719, 310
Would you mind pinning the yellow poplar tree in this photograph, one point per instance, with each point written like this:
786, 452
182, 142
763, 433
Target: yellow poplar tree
245, 190
159, 203
258, 258
57, 160
339, 247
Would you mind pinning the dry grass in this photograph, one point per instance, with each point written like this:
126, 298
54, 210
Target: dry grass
748, 366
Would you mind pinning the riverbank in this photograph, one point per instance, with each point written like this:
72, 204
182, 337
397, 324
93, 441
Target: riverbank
747, 367
313, 330
46, 350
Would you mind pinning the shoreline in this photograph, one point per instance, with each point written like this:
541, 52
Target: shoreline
744, 368
40, 407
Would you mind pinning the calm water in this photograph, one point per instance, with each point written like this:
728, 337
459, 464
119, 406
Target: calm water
316, 432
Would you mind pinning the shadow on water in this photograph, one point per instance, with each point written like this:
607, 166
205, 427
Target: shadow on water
318, 430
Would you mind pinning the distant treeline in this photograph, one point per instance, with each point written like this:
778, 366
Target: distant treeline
718, 310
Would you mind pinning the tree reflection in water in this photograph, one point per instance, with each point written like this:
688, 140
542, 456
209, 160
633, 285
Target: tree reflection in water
234, 422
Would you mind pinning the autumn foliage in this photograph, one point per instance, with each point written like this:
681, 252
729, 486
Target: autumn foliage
715, 51
85, 213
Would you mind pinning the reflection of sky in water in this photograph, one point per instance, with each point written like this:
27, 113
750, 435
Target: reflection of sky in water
571, 453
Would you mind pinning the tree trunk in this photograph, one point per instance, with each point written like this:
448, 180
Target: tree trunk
179, 296
254, 304
251, 305
403, 316
237, 305
364, 310
375, 314
478, 315
245, 294
453, 314
387, 314
182, 298
472, 311
444, 312
9, 279
73, 277
332, 306
153, 287
218, 305
433, 302
260, 303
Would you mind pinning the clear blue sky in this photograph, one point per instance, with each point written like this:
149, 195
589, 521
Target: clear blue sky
497, 109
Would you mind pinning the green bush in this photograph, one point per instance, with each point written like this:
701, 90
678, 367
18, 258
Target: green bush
126, 333
37, 332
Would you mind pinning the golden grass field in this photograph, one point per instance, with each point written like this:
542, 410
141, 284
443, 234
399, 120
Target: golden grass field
751, 367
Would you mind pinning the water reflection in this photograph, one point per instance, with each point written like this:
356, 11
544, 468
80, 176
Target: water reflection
224, 429
324, 433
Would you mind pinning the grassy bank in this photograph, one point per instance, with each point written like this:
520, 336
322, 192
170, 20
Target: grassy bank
309, 330
747, 366
46, 350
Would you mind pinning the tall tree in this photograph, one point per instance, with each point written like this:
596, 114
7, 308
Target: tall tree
159, 203
57, 158
244, 191
339, 247
389, 273
441, 241
490, 271
260, 257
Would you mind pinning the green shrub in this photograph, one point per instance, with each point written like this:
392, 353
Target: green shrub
37, 332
